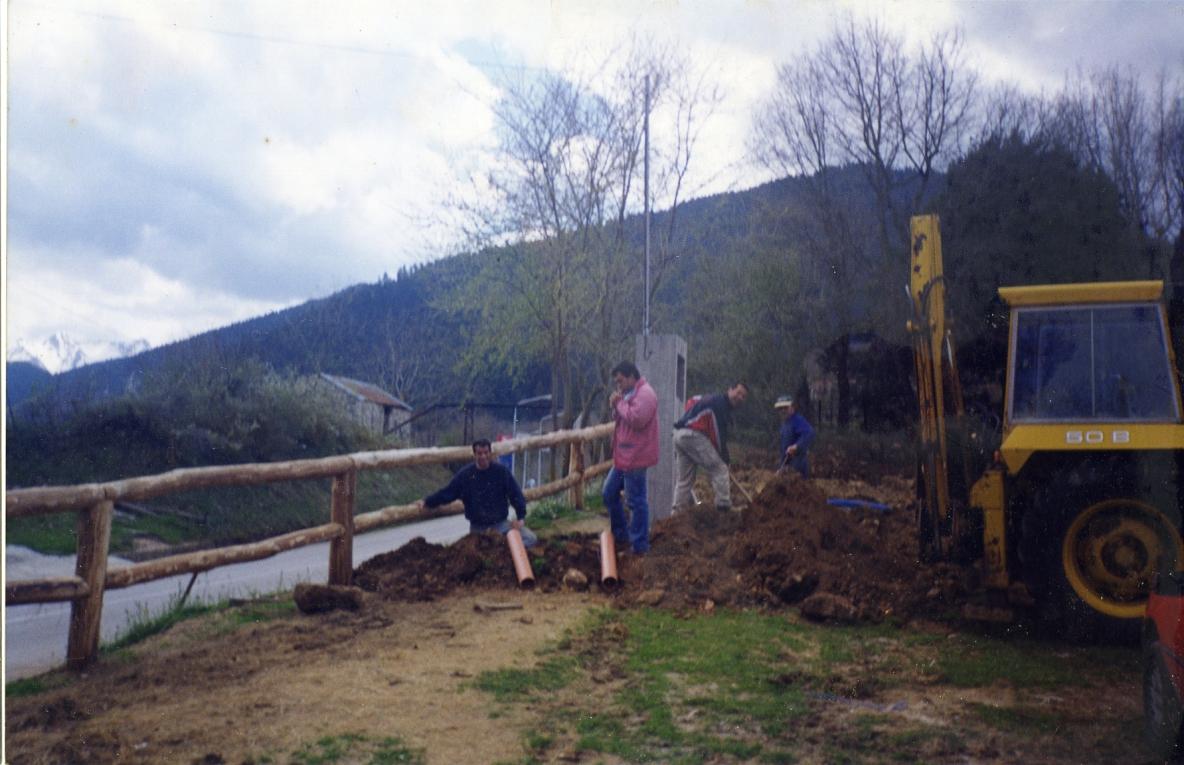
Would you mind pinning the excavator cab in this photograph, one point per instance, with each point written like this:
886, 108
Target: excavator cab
1091, 363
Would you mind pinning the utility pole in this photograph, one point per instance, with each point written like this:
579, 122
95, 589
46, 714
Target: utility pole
645, 327
662, 360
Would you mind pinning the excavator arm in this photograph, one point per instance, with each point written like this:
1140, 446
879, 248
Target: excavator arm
941, 520
927, 329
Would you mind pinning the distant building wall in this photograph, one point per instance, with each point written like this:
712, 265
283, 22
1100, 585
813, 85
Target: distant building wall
374, 409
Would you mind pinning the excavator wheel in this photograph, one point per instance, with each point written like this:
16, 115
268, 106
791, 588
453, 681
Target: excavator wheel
1107, 556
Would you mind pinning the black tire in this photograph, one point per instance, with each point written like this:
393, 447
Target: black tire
1090, 567
1163, 713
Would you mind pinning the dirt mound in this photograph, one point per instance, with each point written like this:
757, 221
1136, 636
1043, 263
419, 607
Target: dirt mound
420, 571
792, 547
789, 548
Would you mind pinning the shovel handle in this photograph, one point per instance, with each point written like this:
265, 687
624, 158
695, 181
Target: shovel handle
741, 488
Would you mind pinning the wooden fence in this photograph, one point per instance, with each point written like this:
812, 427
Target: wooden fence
95, 505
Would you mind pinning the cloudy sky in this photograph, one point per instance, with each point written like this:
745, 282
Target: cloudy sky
174, 167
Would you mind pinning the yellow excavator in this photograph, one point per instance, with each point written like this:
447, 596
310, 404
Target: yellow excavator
1080, 504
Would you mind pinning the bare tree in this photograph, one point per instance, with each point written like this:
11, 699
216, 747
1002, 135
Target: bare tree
861, 99
1113, 123
1005, 110
1167, 204
795, 134
865, 69
934, 108
560, 266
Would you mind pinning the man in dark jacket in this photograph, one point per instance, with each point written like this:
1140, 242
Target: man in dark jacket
701, 440
487, 488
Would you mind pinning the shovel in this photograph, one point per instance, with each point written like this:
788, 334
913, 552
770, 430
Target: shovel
747, 496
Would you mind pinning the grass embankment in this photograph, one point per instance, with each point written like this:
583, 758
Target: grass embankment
233, 515
226, 618
653, 686
222, 618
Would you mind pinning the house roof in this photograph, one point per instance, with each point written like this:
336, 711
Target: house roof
366, 391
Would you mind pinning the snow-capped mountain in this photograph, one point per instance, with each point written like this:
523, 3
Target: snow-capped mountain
61, 353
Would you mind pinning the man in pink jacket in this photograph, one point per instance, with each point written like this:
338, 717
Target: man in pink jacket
634, 407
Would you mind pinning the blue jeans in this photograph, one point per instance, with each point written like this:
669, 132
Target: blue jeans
529, 539
637, 533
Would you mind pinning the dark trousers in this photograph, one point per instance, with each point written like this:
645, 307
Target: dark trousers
637, 531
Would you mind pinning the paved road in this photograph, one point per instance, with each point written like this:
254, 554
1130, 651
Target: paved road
35, 635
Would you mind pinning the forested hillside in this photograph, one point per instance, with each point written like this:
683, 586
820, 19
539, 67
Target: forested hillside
408, 334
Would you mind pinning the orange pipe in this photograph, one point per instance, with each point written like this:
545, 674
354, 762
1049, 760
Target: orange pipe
521, 561
608, 561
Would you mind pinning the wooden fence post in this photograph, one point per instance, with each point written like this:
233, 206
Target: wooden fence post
86, 613
576, 465
341, 549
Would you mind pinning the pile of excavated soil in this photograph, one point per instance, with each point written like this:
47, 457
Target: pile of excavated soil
420, 571
790, 547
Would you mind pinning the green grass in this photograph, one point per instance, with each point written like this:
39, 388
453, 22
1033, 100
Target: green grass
144, 624
973, 661
56, 534
260, 610
548, 512
225, 619
741, 686
551, 511
686, 681
32, 686
1021, 720
356, 748
520, 684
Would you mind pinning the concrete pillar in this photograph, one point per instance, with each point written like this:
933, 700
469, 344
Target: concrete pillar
662, 360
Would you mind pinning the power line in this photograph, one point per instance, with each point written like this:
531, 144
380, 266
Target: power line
277, 40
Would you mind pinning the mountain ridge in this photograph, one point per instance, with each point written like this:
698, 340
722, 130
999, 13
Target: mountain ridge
61, 352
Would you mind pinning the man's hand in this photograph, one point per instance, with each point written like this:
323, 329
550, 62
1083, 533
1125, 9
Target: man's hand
792, 450
614, 398
420, 505
516, 524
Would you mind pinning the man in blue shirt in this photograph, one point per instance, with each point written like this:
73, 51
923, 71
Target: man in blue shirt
796, 437
487, 488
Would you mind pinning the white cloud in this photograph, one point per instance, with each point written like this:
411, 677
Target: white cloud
117, 300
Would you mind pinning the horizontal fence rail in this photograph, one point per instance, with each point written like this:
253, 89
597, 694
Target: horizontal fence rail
95, 502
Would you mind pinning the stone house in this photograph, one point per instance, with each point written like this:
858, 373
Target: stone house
370, 406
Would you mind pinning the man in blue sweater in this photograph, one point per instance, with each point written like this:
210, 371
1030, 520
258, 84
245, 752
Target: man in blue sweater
487, 489
796, 437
